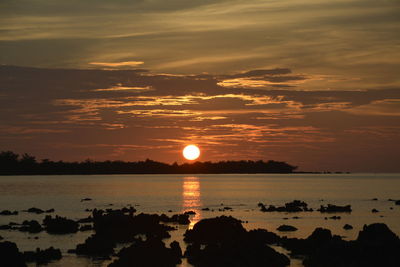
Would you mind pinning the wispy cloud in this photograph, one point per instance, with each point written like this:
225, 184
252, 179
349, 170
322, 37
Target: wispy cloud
118, 64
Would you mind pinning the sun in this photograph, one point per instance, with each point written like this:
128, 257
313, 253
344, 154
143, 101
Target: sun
191, 152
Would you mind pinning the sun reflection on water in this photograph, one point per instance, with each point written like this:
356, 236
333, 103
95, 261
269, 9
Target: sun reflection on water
191, 198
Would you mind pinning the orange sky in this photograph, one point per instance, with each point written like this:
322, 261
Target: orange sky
313, 83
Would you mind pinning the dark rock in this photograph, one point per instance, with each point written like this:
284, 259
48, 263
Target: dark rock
1, 238
151, 252
35, 210
263, 208
86, 199
294, 206
60, 225
334, 208
376, 245
210, 230
223, 242
88, 219
87, 227
374, 199
307, 246
190, 212
397, 202
335, 217
31, 227
374, 210
263, 236
176, 218
8, 213
95, 246
228, 208
10, 255
205, 209
50, 211
286, 228
42, 256
347, 227
5, 227
122, 227
377, 234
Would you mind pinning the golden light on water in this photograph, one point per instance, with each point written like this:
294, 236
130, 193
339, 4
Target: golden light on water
191, 198
191, 152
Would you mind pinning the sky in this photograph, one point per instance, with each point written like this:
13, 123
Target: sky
313, 83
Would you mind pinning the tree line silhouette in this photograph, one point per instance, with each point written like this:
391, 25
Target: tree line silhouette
25, 164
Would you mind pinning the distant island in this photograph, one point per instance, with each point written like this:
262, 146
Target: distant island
14, 164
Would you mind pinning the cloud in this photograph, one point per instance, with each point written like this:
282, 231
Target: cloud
124, 88
127, 113
384, 107
118, 64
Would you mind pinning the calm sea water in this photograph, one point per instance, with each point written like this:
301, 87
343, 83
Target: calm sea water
160, 193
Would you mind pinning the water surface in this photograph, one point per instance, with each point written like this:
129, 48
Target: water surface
161, 193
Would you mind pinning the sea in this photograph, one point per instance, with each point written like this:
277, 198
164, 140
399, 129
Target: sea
176, 193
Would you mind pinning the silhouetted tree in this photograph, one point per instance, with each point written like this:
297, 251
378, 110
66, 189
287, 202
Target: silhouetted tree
12, 164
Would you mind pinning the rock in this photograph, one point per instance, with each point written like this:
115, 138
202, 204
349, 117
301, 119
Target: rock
347, 227
42, 256
397, 202
223, 242
286, 228
205, 209
60, 225
10, 255
88, 219
1, 238
86, 199
335, 217
210, 230
263, 236
35, 210
376, 245
176, 218
377, 234
95, 246
318, 238
294, 206
31, 227
49, 210
87, 227
374, 199
190, 212
120, 226
8, 213
374, 210
334, 208
5, 227
151, 252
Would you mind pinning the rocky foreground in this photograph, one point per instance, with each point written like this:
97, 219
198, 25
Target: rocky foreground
214, 242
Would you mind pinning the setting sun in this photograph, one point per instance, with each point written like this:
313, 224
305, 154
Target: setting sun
191, 152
